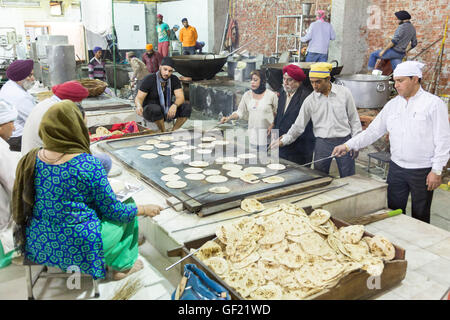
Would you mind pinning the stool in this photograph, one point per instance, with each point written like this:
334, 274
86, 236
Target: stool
43, 273
383, 158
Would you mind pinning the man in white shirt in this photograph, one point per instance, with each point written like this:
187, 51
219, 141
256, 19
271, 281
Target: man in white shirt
14, 91
419, 133
8, 115
334, 117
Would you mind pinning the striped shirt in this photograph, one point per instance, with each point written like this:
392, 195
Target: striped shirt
97, 69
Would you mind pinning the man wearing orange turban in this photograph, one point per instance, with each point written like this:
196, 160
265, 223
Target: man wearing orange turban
152, 59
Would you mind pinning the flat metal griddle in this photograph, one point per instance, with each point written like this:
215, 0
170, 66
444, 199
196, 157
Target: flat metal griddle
193, 195
105, 102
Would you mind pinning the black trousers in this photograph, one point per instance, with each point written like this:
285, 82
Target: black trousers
324, 148
15, 143
401, 182
154, 112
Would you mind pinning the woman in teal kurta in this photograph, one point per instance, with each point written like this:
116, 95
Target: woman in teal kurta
74, 218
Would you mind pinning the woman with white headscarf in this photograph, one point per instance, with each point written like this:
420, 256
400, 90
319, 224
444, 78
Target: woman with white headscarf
8, 115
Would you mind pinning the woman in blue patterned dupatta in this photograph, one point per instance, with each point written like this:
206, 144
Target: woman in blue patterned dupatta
65, 210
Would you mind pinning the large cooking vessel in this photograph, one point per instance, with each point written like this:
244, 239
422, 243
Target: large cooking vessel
199, 67
250, 66
274, 72
369, 91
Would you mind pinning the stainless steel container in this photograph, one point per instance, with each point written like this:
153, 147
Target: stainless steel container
368, 91
61, 63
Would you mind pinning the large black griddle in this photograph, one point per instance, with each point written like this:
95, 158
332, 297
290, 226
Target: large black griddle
195, 197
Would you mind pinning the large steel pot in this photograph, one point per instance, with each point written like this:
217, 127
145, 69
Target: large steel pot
369, 91
274, 72
199, 67
250, 66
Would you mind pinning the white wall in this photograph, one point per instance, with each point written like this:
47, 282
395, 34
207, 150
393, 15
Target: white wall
126, 16
196, 11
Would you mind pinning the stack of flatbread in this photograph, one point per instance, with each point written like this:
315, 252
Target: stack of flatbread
282, 253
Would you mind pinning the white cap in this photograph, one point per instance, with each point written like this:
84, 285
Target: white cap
408, 69
7, 112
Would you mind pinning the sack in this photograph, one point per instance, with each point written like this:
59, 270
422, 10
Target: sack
195, 285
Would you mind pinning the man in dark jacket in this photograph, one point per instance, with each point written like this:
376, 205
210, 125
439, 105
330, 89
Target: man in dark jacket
289, 104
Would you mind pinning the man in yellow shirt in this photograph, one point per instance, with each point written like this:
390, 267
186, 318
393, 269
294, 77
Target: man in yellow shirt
188, 37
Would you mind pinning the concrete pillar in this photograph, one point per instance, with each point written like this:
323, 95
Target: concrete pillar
217, 15
150, 24
349, 19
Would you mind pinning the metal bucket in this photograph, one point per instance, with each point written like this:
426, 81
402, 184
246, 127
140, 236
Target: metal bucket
306, 8
368, 91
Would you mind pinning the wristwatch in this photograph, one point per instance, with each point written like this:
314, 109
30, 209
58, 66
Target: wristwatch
437, 172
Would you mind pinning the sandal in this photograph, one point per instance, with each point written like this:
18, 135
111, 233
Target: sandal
119, 275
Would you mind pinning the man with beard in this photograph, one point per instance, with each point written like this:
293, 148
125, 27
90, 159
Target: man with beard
15, 92
289, 104
154, 100
151, 58
332, 110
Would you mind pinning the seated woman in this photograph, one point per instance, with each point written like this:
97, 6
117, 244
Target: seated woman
259, 106
63, 205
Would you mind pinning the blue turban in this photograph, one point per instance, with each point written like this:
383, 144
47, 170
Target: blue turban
96, 49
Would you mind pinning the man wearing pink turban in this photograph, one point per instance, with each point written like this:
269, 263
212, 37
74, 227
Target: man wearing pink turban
318, 37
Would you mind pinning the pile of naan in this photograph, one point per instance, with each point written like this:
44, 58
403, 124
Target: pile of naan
282, 253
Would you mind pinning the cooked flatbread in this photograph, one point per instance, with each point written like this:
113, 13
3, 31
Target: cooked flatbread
274, 233
276, 166
208, 250
249, 178
227, 233
273, 179
351, 234
146, 148
382, 248
102, 131
357, 251
208, 139
251, 205
216, 179
219, 190
179, 143
199, 164
152, 141
166, 153
217, 264
205, 145
149, 156
178, 184
165, 138
181, 157
326, 228
254, 170
235, 173
319, 216
211, 172
204, 151
170, 170
195, 176
177, 150
253, 257
231, 167
269, 268
312, 243
374, 266
267, 292
162, 145
193, 170
240, 249
230, 159
170, 177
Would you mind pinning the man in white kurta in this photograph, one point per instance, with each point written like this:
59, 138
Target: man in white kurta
419, 133
7, 173
15, 92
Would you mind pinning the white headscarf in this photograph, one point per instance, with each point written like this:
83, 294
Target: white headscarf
409, 69
7, 112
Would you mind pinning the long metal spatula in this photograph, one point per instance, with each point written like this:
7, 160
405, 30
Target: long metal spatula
190, 254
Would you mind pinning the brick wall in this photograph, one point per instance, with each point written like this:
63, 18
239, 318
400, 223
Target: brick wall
257, 18
428, 17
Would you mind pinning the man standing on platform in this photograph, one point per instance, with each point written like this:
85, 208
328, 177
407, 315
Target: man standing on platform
163, 31
333, 113
154, 100
188, 37
419, 133
96, 66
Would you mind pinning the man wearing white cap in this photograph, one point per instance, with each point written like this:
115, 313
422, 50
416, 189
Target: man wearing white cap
419, 132
8, 115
